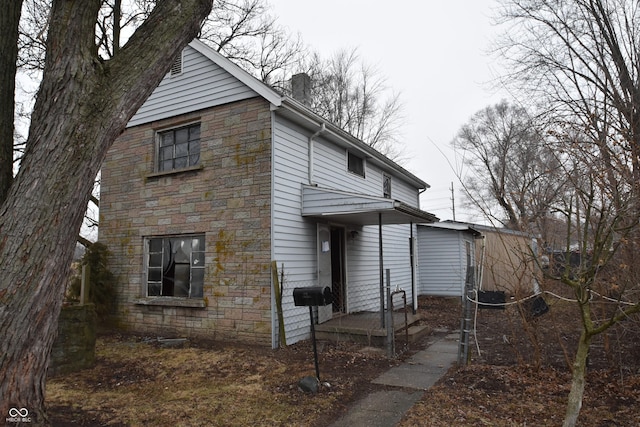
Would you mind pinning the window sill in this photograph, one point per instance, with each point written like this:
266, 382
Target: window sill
172, 302
359, 175
174, 172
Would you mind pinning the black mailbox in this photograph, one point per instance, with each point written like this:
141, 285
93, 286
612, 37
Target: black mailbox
312, 296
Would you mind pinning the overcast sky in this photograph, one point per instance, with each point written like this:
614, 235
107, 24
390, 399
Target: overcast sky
434, 53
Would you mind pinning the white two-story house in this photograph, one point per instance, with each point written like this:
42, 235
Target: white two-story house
218, 175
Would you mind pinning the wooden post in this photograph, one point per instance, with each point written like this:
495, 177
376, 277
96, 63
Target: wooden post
84, 284
278, 295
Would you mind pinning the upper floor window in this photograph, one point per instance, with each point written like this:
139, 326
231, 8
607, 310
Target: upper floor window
179, 148
355, 164
386, 185
175, 266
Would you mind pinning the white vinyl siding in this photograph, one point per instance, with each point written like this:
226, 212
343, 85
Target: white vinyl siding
295, 236
330, 171
442, 261
202, 84
363, 283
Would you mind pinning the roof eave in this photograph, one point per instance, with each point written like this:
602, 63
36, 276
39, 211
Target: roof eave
226, 64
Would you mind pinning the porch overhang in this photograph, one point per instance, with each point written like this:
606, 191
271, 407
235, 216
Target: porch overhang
359, 209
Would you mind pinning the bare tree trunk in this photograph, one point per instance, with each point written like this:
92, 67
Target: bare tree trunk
578, 381
9, 19
83, 104
117, 14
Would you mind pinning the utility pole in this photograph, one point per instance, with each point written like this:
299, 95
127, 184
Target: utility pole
453, 202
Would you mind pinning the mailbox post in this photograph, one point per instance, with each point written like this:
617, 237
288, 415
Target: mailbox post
313, 296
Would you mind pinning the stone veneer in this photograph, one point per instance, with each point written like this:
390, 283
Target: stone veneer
228, 198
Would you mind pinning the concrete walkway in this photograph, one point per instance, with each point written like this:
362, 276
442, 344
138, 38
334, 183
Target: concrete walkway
386, 407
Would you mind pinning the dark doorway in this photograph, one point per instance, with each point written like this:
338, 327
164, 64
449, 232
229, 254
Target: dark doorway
337, 270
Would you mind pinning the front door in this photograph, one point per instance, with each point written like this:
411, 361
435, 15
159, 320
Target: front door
337, 270
330, 251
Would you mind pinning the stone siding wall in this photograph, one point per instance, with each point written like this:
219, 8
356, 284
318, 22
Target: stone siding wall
228, 199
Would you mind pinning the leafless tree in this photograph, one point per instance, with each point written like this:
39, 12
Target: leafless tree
345, 90
246, 32
508, 171
355, 96
581, 60
84, 102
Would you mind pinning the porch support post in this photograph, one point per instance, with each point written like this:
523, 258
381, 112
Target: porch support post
414, 287
381, 263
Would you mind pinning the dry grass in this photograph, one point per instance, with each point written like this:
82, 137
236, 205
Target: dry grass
510, 386
137, 383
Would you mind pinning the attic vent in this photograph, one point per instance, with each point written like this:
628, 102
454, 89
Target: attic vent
176, 67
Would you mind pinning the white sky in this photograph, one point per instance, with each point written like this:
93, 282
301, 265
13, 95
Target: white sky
434, 53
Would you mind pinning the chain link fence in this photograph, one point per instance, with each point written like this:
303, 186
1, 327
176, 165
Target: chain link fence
360, 312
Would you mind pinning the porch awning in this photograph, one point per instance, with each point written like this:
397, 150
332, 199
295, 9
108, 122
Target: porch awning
359, 209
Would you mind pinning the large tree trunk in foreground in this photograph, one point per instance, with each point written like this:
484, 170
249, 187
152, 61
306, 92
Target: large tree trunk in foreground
83, 104
9, 19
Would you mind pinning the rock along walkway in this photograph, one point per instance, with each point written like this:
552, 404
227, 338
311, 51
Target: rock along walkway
385, 408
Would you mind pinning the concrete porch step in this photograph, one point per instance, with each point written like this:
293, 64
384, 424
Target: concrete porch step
416, 332
365, 328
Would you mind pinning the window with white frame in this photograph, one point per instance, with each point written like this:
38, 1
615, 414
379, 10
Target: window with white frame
175, 266
386, 185
355, 164
179, 148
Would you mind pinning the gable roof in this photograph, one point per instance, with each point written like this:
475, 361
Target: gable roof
225, 63
283, 105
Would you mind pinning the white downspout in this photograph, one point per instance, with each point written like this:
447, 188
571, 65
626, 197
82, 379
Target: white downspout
311, 150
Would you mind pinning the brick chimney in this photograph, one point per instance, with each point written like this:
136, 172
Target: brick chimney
301, 88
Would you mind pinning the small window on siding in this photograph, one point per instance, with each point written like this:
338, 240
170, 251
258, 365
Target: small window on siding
355, 164
386, 186
176, 67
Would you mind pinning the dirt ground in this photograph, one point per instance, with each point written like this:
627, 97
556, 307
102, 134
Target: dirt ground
520, 377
